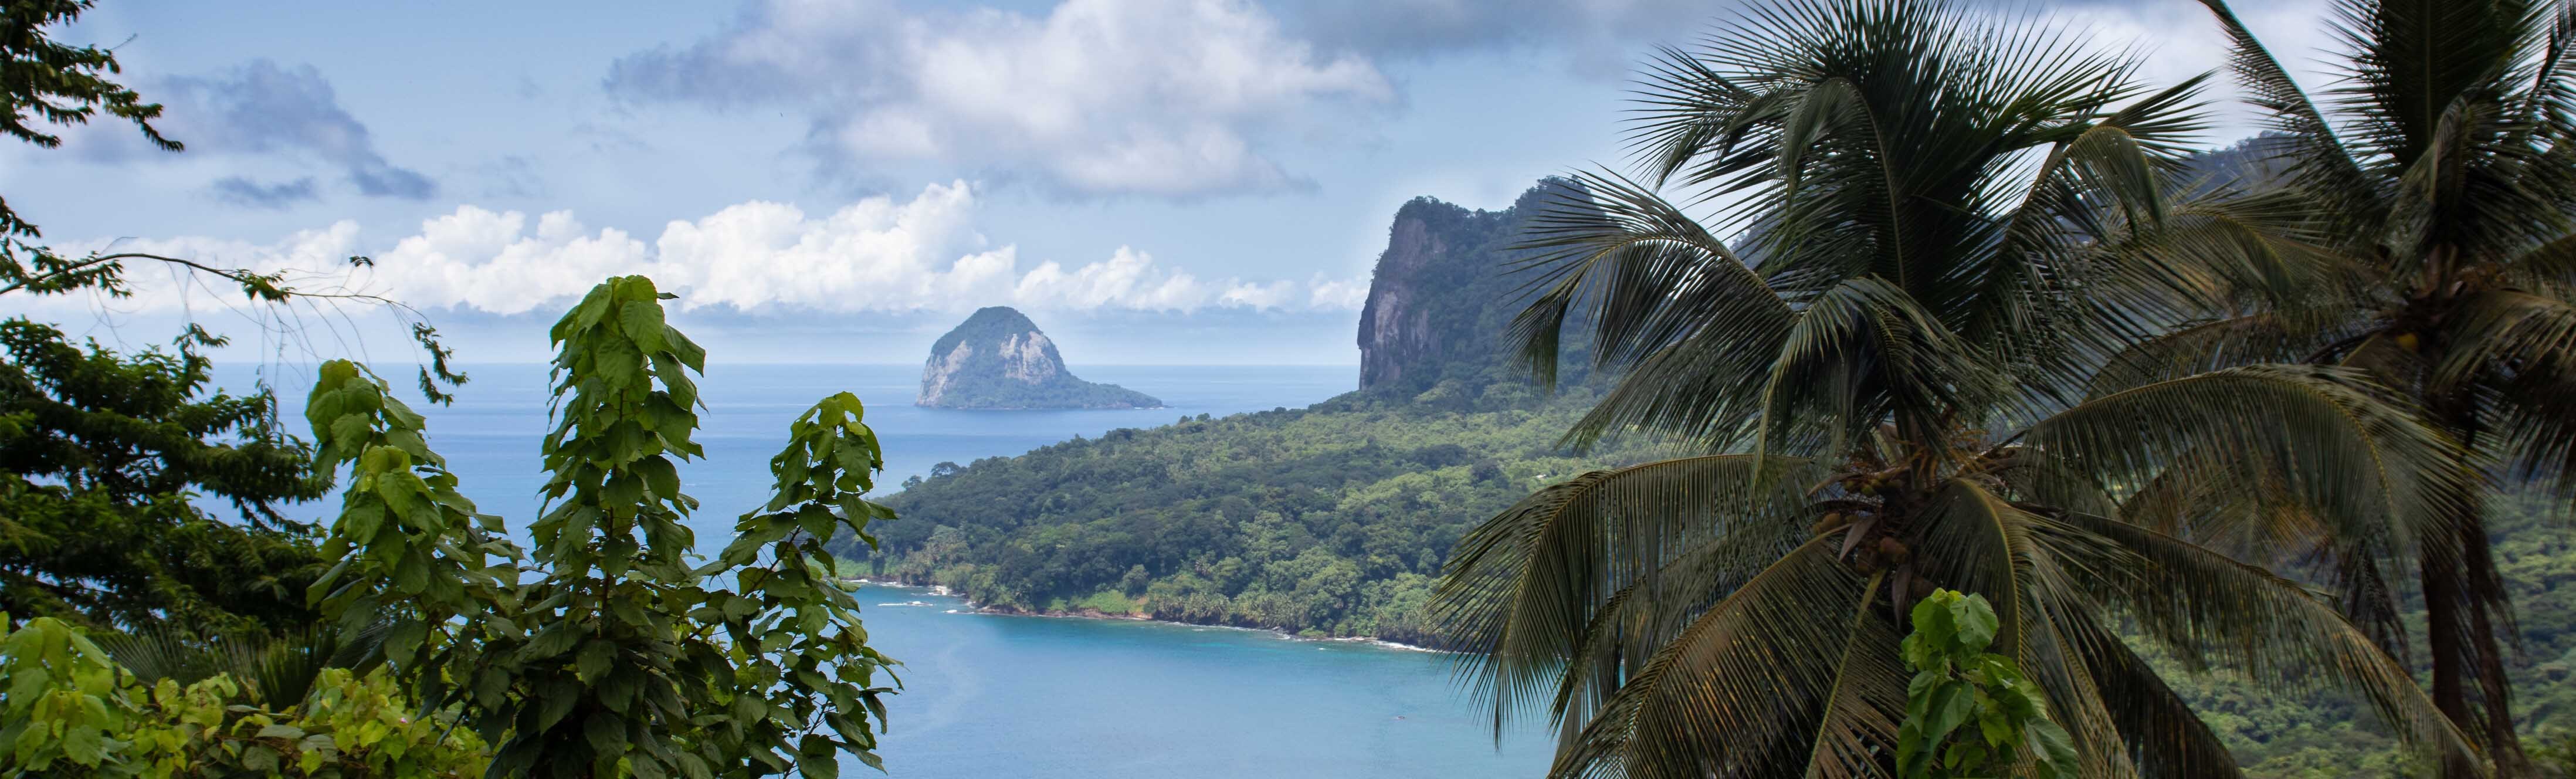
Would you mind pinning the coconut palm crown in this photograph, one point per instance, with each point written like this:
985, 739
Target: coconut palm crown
2441, 173
1931, 233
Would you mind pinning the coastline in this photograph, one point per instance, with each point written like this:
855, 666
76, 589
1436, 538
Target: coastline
974, 608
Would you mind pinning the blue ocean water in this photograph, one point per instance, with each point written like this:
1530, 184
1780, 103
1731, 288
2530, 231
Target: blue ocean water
490, 434
990, 696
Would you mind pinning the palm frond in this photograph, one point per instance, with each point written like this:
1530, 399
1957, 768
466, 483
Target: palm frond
1974, 541
279, 670
2549, 268
2411, 61
1650, 274
2539, 427
1693, 119
2210, 610
1525, 590
2320, 163
1746, 687
2161, 734
2200, 347
2329, 440
1887, 357
2521, 348
2509, 331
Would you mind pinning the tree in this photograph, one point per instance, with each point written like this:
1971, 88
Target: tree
2442, 177
100, 456
602, 651
1939, 227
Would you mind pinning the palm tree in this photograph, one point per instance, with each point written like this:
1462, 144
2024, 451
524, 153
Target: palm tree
2443, 182
1939, 233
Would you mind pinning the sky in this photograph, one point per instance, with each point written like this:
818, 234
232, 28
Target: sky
1152, 181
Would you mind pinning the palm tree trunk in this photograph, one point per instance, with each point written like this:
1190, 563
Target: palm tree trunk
2462, 597
2442, 629
2487, 595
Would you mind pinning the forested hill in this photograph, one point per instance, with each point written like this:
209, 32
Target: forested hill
1330, 520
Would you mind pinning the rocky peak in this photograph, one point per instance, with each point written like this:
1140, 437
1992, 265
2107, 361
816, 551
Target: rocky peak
998, 359
1441, 300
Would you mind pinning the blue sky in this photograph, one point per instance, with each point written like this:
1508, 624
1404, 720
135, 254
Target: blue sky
1154, 181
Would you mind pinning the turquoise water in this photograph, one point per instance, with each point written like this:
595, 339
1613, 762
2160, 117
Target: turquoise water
998, 696
991, 696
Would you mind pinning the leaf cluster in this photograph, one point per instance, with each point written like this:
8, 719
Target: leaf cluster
73, 710
1957, 683
602, 650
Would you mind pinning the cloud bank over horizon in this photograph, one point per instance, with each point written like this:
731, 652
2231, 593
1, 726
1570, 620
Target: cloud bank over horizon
878, 254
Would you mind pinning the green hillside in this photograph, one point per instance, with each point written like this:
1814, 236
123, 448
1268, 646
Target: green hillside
1330, 520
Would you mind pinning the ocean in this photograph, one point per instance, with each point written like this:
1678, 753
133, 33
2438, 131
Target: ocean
989, 696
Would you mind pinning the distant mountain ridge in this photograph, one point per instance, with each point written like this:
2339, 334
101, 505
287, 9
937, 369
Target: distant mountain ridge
998, 359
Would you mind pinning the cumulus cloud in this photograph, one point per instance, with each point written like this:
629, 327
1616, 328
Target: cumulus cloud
878, 254
1152, 97
262, 108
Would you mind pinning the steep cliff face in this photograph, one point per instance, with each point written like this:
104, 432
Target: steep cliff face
1441, 301
998, 359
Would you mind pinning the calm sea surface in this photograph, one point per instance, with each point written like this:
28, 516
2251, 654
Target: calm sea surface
994, 696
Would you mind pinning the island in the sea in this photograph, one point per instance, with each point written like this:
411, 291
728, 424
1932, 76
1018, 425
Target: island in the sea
998, 359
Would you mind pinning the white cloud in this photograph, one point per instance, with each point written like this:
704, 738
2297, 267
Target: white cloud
875, 255
1154, 97
1256, 295
1344, 294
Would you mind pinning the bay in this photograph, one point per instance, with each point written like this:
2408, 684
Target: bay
1003, 696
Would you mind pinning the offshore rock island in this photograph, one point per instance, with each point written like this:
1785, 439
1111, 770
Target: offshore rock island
999, 360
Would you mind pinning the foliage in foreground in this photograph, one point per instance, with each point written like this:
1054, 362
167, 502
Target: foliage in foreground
1969, 712
603, 651
70, 709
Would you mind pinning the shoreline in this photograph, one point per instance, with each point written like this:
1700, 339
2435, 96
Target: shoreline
974, 608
